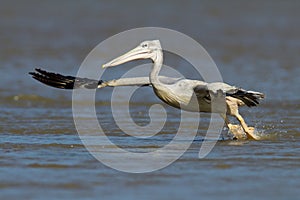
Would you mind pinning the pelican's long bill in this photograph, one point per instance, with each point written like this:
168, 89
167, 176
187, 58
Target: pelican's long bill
137, 53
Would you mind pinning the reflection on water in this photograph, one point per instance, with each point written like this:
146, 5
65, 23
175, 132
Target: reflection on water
254, 44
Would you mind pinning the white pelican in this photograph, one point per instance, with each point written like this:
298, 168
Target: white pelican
179, 93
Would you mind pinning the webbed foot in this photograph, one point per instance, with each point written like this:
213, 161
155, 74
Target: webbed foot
252, 133
238, 132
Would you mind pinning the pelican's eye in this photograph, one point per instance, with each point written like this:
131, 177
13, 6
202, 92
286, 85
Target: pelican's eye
144, 45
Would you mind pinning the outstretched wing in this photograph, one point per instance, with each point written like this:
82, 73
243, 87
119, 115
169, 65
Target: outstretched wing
64, 82
70, 82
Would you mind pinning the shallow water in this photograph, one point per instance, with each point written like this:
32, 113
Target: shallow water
255, 46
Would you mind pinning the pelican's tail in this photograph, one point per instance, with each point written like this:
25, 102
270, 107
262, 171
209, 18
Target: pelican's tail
250, 98
63, 82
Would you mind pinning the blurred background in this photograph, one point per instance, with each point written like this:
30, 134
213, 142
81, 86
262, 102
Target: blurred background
255, 45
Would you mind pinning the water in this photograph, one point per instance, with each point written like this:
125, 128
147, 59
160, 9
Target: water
255, 46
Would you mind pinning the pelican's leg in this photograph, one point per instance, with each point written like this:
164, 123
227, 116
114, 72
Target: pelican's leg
249, 130
232, 109
236, 130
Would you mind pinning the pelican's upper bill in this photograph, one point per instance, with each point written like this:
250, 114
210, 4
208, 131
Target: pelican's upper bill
144, 50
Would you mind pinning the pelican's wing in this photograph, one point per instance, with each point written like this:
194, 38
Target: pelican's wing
70, 82
250, 98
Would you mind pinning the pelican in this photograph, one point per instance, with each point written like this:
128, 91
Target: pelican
177, 92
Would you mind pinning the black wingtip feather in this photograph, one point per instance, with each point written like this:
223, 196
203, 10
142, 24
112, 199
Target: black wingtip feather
53, 79
63, 82
248, 97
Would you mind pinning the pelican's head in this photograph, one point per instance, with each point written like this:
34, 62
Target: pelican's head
145, 50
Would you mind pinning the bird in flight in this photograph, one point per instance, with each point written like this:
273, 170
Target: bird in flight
187, 94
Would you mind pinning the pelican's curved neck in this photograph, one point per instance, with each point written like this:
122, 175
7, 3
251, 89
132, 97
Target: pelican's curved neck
158, 61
